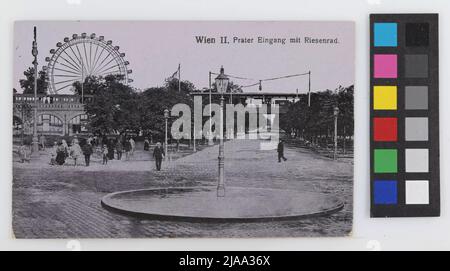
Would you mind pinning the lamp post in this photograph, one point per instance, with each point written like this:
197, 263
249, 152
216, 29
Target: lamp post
335, 113
166, 117
34, 52
222, 85
195, 148
210, 137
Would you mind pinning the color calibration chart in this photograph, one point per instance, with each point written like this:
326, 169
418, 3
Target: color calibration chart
404, 125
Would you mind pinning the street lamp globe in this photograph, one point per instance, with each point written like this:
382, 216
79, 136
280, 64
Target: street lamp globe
166, 113
222, 81
336, 111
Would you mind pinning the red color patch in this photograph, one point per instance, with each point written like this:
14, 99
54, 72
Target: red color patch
385, 129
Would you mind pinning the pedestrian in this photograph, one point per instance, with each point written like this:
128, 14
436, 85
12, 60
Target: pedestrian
119, 149
61, 154
87, 152
75, 151
132, 146
146, 144
42, 142
127, 148
53, 153
280, 150
158, 154
23, 153
111, 149
105, 154
66, 147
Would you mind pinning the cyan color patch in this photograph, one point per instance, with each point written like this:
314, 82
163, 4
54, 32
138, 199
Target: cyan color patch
385, 192
385, 34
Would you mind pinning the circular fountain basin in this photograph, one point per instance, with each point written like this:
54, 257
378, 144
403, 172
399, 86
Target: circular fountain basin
201, 204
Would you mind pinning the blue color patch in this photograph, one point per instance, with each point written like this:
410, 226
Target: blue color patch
385, 192
385, 34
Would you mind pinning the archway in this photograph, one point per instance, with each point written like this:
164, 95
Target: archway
50, 124
78, 124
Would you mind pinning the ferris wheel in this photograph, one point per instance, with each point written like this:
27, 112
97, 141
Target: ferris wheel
84, 56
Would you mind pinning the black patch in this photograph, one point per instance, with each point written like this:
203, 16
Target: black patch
417, 34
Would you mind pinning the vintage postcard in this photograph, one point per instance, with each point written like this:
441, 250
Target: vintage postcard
150, 129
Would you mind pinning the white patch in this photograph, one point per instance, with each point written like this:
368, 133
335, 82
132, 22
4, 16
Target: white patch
417, 192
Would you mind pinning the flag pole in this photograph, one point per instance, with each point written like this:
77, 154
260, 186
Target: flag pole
309, 88
179, 77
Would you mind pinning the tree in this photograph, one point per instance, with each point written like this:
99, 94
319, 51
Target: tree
92, 84
24, 110
316, 122
27, 84
154, 101
185, 86
113, 107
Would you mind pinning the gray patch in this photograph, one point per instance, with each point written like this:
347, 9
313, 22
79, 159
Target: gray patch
416, 129
416, 97
416, 66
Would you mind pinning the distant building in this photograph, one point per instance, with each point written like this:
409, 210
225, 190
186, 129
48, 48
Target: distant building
57, 114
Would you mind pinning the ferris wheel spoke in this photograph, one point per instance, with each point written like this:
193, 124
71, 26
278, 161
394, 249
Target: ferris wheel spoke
64, 75
65, 81
79, 60
109, 68
110, 73
67, 66
101, 63
106, 65
97, 59
73, 60
85, 55
73, 67
63, 87
59, 69
90, 56
103, 74
83, 63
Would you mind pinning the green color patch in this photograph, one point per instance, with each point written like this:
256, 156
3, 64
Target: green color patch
385, 161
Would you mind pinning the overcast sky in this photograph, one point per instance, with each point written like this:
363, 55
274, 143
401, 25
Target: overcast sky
154, 50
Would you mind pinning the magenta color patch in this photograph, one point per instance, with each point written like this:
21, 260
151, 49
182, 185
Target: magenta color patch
385, 66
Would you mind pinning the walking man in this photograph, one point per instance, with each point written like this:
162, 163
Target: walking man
280, 150
158, 154
105, 154
119, 148
127, 148
87, 152
132, 146
75, 151
42, 142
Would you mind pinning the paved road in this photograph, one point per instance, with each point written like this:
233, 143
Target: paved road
64, 202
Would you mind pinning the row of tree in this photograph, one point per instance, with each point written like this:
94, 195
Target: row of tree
114, 107
315, 123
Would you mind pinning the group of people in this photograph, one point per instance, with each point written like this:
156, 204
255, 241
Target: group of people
116, 147
61, 151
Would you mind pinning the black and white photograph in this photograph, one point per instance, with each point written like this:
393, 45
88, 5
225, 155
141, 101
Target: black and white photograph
181, 129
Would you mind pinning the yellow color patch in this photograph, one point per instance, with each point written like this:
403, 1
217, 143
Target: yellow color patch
385, 97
